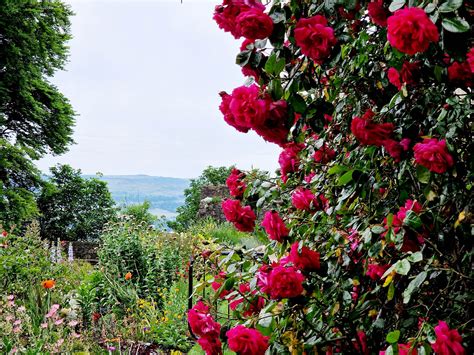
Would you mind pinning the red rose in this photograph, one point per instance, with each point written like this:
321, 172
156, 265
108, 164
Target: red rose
434, 155
448, 341
246, 341
254, 24
246, 43
375, 271
226, 14
324, 154
235, 183
306, 260
377, 13
394, 78
247, 70
252, 305
304, 199
247, 108
470, 59
201, 322
285, 282
460, 73
289, 160
274, 226
394, 148
410, 72
274, 128
211, 345
228, 116
404, 349
263, 276
315, 38
243, 218
411, 31
370, 133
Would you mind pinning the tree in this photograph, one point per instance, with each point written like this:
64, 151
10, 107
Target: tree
73, 207
35, 118
140, 213
369, 221
187, 214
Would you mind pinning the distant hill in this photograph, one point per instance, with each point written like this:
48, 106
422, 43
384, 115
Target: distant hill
164, 193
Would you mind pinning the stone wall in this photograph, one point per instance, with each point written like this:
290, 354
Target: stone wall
211, 199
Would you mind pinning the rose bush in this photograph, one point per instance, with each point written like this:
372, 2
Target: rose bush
369, 218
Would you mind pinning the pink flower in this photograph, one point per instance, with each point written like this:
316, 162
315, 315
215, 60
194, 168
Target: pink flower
254, 24
211, 345
304, 199
274, 226
375, 271
44, 325
247, 108
324, 155
263, 276
243, 218
411, 31
16, 330
378, 13
226, 14
315, 38
235, 183
201, 322
228, 116
370, 133
394, 78
73, 323
17, 322
289, 160
285, 282
448, 341
306, 260
403, 349
52, 311
433, 155
247, 341
274, 127
59, 321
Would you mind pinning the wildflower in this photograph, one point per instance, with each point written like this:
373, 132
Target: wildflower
128, 276
47, 284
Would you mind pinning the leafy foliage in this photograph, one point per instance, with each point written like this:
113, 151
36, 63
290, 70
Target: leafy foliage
72, 207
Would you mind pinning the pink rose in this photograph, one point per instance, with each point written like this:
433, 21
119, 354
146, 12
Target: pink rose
375, 271
254, 24
448, 341
306, 260
247, 341
315, 38
433, 155
247, 108
411, 31
228, 116
243, 218
378, 13
289, 160
226, 14
370, 133
211, 345
201, 322
285, 282
274, 226
324, 154
235, 183
304, 199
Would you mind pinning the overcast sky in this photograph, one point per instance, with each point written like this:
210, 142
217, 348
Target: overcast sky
144, 78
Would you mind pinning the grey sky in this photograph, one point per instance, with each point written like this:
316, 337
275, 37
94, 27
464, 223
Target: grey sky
144, 77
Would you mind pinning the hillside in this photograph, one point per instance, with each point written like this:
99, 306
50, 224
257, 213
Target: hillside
164, 193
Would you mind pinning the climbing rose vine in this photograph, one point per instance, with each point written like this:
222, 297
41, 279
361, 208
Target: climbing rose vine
368, 220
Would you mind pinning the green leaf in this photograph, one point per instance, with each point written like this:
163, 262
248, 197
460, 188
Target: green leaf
450, 6
413, 285
456, 24
415, 257
391, 291
402, 267
430, 8
422, 174
243, 58
393, 337
412, 220
336, 169
270, 64
346, 178
396, 4
389, 351
378, 229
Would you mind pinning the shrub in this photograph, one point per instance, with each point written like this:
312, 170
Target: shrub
371, 105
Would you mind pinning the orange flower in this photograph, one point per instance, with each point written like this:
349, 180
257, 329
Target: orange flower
128, 276
47, 284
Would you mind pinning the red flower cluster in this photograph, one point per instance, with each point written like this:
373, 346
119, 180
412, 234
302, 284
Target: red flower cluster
411, 31
306, 260
243, 218
289, 160
378, 13
252, 306
203, 326
274, 226
235, 183
247, 109
247, 341
460, 73
448, 341
409, 74
434, 155
244, 18
315, 38
304, 199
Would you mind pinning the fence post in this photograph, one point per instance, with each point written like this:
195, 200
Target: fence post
190, 290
